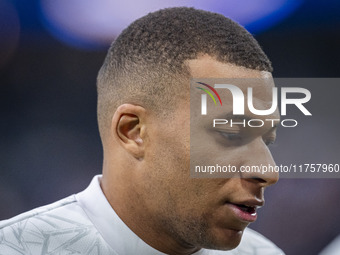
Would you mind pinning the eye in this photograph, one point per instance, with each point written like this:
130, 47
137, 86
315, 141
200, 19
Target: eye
269, 141
231, 136
270, 137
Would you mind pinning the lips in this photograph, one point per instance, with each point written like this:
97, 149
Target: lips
246, 210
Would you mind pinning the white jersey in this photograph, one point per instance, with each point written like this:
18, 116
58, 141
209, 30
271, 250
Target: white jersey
85, 223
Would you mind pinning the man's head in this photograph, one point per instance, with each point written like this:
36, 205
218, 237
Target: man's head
143, 116
146, 64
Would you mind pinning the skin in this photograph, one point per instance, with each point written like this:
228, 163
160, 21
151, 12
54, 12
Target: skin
146, 170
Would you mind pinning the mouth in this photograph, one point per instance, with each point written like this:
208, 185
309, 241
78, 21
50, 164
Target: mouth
246, 208
245, 211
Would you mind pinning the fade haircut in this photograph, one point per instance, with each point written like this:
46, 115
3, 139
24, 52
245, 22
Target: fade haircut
145, 65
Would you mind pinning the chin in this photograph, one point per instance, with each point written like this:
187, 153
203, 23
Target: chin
227, 239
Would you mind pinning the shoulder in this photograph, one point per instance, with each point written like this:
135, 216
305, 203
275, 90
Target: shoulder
37, 212
58, 227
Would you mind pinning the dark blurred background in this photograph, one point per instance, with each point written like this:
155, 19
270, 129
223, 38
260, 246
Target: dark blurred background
50, 53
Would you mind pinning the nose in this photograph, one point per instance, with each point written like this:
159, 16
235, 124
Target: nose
259, 165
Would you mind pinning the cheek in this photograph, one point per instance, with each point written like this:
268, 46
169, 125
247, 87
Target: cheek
196, 197
174, 150
166, 170
203, 161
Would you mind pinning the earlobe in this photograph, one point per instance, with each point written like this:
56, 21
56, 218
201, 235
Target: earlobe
128, 127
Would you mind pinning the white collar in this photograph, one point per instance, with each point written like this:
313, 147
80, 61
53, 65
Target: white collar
114, 231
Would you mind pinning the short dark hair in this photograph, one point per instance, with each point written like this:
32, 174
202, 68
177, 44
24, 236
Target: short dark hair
146, 62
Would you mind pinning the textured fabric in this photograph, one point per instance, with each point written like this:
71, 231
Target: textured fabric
59, 228
86, 224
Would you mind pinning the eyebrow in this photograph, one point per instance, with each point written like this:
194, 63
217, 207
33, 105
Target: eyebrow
230, 115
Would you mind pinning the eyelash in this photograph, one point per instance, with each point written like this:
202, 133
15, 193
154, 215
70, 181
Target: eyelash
231, 136
237, 137
269, 142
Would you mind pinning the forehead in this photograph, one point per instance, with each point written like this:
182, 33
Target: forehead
206, 66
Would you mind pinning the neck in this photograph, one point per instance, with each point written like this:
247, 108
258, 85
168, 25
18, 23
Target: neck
139, 220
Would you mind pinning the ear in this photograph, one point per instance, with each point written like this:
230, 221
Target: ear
128, 126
